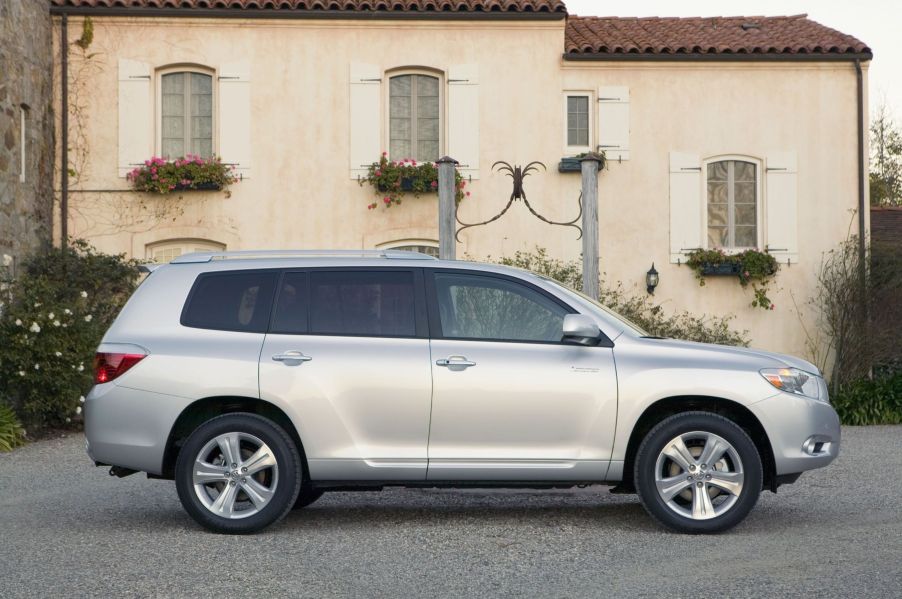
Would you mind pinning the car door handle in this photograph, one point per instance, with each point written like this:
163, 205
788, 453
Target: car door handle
292, 356
455, 361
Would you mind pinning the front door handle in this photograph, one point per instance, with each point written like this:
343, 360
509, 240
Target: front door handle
292, 356
454, 362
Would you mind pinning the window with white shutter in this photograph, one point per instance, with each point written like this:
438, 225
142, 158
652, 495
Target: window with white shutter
614, 122
732, 203
235, 116
463, 118
365, 109
781, 209
685, 205
414, 107
135, 115
186, 113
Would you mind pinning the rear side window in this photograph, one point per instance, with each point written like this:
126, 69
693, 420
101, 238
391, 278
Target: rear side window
234, 301
372, 303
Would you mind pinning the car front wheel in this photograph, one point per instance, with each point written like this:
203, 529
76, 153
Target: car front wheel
238, 473
697, 473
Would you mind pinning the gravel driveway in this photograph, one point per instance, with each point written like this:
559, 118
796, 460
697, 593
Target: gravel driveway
69, 528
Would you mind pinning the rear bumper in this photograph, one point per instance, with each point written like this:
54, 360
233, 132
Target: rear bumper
129, 428
804, 433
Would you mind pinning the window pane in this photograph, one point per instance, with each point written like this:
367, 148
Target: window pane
744, 171
427, 86
717, 237
577, 121
717, 215
201, 106
744, 193
745, 214
231, 301
717, 171
400, 136
429, 250
174, 83
379, 304
477, 307
173, 147
718, 192
746, 237
291, 306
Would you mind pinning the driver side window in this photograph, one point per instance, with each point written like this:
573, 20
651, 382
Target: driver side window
495, 309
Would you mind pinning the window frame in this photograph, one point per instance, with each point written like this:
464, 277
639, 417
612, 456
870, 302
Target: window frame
404, 243
569, 149
435, 322
442, 108
158, 100
421, 326
731, 226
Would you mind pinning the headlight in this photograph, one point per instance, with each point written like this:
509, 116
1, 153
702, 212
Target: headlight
793, 380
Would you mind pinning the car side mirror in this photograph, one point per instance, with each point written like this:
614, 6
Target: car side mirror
580, 329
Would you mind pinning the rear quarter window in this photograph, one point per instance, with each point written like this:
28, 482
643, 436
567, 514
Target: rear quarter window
233, 301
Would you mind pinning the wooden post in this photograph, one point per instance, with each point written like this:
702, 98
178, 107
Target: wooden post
590, 165
447, 208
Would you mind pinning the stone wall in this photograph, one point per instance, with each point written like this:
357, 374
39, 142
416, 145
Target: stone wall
25, 90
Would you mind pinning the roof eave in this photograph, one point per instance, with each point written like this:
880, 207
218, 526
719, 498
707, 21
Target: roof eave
252, 13
716, 57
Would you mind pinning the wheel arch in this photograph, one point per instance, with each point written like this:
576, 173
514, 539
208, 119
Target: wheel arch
669, 406
204, 409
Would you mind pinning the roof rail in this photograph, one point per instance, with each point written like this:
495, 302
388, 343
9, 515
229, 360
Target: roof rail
198, 257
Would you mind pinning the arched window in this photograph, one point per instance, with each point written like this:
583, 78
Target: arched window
186, 112
414, 117
732, 203
166, 251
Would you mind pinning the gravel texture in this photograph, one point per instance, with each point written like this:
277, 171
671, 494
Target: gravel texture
69, 528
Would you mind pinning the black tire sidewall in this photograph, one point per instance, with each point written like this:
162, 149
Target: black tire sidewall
284, 450
307, 496
654, 442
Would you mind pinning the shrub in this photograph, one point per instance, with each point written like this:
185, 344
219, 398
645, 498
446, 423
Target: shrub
162, 176
639, 309
60, 305
867, 401
11, 432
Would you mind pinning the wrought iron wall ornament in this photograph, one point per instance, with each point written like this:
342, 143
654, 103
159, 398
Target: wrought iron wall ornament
518, 174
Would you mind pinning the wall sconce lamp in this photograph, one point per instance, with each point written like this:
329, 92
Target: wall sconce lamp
651, 279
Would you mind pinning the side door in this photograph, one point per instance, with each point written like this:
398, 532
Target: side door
348, 354
511, 401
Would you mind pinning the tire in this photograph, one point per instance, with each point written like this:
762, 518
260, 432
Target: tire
673, 476
307, 496
252, 492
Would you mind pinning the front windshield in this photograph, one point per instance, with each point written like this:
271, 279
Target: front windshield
629, 325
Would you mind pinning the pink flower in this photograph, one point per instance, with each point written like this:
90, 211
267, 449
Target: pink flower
154, 177
413, 162
468, 194
378, 173
463, 183
387, 200
772, 306
385, 153
153, 170
185, 182
745, 274
434, 184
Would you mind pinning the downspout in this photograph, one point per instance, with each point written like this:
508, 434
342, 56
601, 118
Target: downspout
64, 158
862, 254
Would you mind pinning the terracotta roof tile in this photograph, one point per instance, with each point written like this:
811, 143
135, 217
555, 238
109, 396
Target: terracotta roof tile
706, 35
509, 6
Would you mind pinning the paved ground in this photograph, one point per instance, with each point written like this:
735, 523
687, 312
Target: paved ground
66, 527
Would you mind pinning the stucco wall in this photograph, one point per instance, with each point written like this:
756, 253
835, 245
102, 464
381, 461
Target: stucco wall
25, 85
299, 194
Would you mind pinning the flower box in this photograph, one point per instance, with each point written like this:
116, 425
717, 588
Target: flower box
187, 173
720, 270
206, 186
406, 185
569, 165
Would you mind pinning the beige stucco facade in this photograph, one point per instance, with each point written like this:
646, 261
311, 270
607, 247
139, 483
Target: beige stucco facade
299, 191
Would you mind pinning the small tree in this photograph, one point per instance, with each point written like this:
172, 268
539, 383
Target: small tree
886, 159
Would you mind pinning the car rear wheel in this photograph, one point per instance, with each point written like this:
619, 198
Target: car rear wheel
697, 473
238, 473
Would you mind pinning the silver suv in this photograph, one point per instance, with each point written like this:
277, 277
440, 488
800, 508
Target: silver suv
258, 381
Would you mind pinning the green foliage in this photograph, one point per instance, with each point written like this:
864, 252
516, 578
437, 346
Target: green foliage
637, 308
162, 176
11, 432
87, 34
749, 266
886, 160
393, 179
866, 401
58, 309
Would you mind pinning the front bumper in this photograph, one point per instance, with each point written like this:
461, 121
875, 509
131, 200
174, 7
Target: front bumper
804, 433
129, 428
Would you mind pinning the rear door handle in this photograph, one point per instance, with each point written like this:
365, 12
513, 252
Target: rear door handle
455, 361
292, 356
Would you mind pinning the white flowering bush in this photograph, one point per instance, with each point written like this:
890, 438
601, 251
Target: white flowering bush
55, 313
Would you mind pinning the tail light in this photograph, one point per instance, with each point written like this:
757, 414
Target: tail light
109, 366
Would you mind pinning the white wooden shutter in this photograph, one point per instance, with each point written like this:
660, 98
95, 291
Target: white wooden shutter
365, 118
135, 114
463, 117
686, 198
781, 206
235, 116
614, 121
